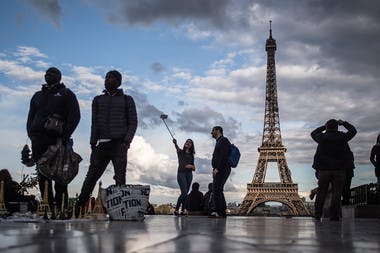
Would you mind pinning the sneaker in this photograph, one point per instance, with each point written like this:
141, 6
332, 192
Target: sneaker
215, 215
176, 213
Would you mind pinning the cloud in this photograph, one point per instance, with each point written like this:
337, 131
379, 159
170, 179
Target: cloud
202, 120
24, 54
148, 166
18, 65
19, 72
51, 9
148, 114
157, 67
342, 34
148, 11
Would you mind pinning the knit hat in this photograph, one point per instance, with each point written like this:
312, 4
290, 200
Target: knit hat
115, 74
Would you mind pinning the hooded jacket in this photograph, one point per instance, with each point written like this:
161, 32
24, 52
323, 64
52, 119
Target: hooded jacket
333, 151
56, 99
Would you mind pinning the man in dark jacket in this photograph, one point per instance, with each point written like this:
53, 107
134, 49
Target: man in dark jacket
114, 123
53, 99
221, 170
207, 201
332, 159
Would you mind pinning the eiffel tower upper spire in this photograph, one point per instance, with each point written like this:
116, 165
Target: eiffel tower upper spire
270, 28
272, 132
271, 43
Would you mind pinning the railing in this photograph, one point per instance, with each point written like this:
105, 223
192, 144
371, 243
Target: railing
273, 185
367, 194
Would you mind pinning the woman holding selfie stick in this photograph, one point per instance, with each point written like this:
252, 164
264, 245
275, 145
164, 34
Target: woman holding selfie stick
185, 172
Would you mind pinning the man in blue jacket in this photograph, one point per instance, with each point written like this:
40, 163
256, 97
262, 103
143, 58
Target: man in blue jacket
331, 161
114, 123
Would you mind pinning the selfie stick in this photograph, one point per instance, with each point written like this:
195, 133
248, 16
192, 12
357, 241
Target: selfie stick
163, 117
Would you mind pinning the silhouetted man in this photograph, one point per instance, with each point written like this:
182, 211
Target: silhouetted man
114, 123
207, 201
221, 170
375, 160
194, 200
57, 101
332, 158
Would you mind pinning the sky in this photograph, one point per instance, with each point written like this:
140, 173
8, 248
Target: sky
203, 63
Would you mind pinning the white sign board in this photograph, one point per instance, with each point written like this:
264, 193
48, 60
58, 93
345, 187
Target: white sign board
126, 202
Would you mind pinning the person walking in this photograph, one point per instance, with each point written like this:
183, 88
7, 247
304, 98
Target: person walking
331, 161
113, 126
184, 173
54, 102
375, 160
221, 170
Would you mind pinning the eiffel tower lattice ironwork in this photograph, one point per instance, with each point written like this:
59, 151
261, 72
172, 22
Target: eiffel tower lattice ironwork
272, 150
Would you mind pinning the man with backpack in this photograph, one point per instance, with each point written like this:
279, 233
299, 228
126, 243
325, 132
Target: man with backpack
114, 123
221, 169
54, 105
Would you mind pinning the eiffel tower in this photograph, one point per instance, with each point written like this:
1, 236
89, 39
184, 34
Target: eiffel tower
272, 150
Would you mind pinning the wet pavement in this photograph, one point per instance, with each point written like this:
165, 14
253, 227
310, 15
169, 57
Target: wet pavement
161, 233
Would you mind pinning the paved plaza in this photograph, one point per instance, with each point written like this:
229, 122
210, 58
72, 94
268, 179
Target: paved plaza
164, 233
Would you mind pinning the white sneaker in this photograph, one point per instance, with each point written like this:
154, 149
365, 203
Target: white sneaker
215, 215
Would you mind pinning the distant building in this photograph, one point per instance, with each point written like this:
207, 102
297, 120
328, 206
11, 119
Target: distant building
165, 209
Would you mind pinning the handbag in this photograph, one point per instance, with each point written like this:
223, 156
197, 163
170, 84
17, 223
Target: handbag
59, 163
54, 123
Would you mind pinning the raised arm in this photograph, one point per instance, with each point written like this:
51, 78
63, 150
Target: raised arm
372, 157
317, 133
351, 130
176, 145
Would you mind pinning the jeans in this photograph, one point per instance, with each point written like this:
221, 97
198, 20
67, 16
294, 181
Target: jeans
112, 151
184, 181
337, 179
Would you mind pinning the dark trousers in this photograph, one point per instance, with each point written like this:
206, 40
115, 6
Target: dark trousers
337, 179
184, 181
217, 191
112, 151
346, 190
39, 147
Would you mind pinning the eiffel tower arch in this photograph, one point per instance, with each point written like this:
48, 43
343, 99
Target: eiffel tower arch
272, 150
